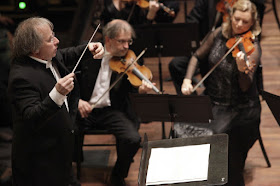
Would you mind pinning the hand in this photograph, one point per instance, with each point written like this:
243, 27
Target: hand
96, 49
66, 84
187, 87
145, 87
84, 108
153, 8
242, 65
240, 61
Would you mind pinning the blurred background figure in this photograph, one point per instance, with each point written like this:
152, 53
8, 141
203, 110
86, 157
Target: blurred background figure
6, 134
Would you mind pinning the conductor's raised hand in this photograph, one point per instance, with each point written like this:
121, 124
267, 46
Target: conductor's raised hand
65, 84
97, 50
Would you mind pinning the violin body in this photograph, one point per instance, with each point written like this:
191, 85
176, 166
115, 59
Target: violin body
120, 64
247, 41
145, 4
246, 46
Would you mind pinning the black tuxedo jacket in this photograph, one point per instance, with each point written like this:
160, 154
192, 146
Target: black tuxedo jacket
43, 132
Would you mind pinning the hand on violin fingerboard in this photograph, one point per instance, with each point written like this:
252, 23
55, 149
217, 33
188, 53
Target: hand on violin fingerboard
242, 65
154, 6
97, 50
145, 87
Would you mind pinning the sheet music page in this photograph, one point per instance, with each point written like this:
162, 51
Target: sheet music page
178, 164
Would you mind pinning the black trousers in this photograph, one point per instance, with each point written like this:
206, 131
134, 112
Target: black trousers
127, 137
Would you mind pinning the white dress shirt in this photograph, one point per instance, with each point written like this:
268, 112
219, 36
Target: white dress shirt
58, 98
102, 84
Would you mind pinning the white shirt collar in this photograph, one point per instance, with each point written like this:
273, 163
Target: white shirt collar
48, 63
106, 53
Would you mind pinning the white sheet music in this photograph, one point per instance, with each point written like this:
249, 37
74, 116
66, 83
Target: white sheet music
178, 164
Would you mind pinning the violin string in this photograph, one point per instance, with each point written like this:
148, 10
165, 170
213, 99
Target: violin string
214, 67
117, 80
85, 48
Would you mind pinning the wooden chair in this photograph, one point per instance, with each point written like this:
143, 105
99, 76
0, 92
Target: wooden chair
80, 144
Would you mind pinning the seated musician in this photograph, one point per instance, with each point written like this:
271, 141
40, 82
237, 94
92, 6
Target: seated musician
114, 111
138, 12
232, 84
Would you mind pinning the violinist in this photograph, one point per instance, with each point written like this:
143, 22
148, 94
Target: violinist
114, 111
44, 99
232, 85
204, 14
138, 12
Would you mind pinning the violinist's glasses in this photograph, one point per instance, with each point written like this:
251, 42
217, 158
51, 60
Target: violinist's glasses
121, 41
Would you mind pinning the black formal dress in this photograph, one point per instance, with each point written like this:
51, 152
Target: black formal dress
236, 111
204, 13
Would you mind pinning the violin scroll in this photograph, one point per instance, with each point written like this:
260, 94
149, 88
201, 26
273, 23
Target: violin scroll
224, 7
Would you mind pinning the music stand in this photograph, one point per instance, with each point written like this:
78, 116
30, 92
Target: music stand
218, 158
172, 108
273, 102
166, 39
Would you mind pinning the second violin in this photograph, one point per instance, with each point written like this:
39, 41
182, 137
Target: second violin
135, 73
145, 4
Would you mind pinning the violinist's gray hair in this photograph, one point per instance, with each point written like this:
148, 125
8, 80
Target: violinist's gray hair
114, 27
27, 38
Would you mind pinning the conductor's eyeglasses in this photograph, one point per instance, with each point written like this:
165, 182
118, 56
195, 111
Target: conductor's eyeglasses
51, 39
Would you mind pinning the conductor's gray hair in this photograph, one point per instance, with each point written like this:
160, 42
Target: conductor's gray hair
27, 38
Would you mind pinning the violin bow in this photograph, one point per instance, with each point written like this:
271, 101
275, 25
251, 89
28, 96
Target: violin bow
215, 66
85, 48
117, 80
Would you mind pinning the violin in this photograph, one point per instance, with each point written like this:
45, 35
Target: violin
246, 46
224, 7
145, 4
136, 73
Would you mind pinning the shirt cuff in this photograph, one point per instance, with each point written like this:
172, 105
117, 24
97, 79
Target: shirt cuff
57, 97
